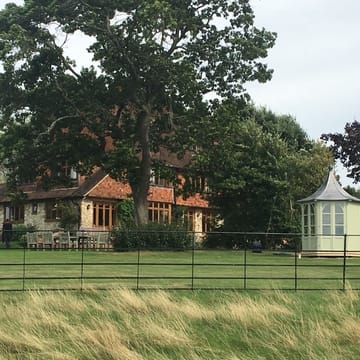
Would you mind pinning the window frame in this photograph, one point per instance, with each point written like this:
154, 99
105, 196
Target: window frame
159, 212
15, 213
104, 214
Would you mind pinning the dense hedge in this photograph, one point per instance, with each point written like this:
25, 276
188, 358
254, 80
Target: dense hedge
152, 236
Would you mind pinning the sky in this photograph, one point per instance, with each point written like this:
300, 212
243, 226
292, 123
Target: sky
316, 63
315, 60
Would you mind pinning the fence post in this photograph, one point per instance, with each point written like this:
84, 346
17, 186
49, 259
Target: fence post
82, 266
24, 265
245, 265
296, 265
193, 262
344, 264
138, 264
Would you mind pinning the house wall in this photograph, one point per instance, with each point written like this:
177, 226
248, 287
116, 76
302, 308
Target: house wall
38, 219
86, 211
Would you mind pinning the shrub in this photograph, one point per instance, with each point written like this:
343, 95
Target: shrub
19, 234
223, 240
152, 236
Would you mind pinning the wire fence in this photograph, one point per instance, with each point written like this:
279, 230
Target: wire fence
218, 261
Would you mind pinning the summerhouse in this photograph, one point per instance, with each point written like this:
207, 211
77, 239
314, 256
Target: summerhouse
328, 215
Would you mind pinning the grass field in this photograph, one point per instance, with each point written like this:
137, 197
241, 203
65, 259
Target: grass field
212, 325
226, 269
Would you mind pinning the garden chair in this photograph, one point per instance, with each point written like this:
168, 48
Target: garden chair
64, 240
31, 240
102, 240
45, 239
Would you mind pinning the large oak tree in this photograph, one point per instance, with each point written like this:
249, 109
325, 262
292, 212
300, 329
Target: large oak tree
154, 61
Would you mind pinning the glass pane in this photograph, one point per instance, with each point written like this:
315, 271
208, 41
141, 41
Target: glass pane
326, 219
339, 219
338, 209
312, 210
305, 220
312, 229
326, 230
326, 208
339, 230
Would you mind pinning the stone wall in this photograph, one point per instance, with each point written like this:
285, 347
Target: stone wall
38, 219
86, 211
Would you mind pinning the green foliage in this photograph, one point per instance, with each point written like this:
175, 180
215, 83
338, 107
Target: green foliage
157, 60
352, 191
258, 165
346, 148
19, 233
126, 214
70, 215
152, 236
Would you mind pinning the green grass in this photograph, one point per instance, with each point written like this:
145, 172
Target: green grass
31, 269
212, 325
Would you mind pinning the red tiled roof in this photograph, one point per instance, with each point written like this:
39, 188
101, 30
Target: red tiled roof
110, 189
192, 201
161, 194
101, 185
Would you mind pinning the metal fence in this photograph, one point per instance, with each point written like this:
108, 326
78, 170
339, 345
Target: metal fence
221, 261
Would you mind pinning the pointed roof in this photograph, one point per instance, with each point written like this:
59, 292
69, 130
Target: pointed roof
330, 190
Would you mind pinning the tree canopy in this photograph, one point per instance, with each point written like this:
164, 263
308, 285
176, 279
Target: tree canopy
259, 166
154, 61
346, 148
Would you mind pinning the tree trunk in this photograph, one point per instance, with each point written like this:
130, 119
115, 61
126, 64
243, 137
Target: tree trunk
140, 185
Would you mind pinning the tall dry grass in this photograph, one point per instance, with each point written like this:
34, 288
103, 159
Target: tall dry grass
158, 325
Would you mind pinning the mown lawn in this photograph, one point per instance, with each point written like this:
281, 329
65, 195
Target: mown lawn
201, 269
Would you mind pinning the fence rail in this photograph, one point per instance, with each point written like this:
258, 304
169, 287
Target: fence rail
254, 261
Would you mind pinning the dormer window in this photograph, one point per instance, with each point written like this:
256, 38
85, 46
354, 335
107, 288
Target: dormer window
156, 178
68, 172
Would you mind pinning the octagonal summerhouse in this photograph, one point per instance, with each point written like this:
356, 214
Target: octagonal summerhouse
328, 215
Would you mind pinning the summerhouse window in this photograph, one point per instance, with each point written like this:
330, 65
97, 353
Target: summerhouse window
339, 219
333, 219
309, 219
326, 219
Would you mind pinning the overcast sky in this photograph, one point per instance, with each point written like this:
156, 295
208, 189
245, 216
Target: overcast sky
316, 62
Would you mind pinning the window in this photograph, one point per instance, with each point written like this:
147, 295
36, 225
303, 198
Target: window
309, 219
198, 184
339, 220
312, 219
14, 213
159, 212
157, 179
189, 217
104, 215
208, 220
68, 172
326, 219
52, 211
333, 219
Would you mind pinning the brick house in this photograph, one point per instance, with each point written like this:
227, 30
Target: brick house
96, 198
